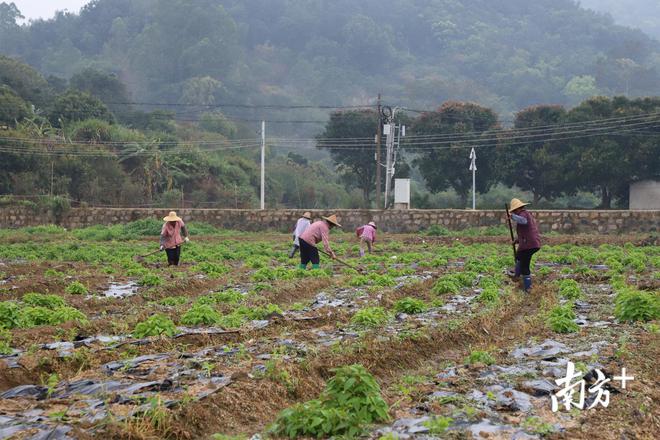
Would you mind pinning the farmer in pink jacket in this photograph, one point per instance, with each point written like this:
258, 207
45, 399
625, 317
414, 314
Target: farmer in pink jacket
171, 238
315, 233
367, 234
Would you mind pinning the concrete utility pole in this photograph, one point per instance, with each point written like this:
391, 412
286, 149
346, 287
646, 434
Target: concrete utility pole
473, 168
379, 135
390, 132
263, 164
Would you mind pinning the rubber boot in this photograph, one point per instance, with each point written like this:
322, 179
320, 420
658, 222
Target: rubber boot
302, 266
316, 266
527, 283
361, 253
515, 275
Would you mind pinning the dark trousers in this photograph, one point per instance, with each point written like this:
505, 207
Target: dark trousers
525, 259
308, 253
173, 256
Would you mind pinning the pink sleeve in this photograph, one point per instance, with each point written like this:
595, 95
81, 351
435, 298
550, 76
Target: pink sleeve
326, 243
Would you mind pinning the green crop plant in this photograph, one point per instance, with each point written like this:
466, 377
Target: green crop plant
200, 314
636, 305
489, 295
446, 285
154, 326
544, 271
48, 301
560, 319
370, 317
173, 301
230, 296
410, 306
212, 270
438, 424
67, 314
232, 320
150, 280
35, 316
480, 356
5, 342
9, 314
535, 425
569, 289
350, 403
259, 312
76, 288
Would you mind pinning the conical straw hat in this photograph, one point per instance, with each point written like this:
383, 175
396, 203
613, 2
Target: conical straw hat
332, 219
172, 217
515, 204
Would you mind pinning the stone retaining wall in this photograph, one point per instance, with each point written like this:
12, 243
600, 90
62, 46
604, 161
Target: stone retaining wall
606, 222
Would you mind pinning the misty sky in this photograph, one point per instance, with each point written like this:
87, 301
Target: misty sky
32, 9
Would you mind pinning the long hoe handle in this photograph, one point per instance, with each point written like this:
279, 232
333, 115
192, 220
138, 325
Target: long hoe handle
513, 240
341, 261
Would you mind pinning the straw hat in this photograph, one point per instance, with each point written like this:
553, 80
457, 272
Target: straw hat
373, 224
307, 215
172, 217
332, 219
515, 204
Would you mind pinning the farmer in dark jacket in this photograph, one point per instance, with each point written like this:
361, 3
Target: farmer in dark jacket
529, 240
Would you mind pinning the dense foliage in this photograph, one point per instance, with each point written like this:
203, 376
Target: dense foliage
145, 84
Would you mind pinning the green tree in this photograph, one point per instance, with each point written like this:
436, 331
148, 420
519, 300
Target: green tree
347, 136
608, 160
105, 86
528, 157
77, 106
12, 107
444, 164
25, 81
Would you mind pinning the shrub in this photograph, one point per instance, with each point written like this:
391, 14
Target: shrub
569, 289
351, 401
48, 301
370, 317
478, 356
410, 306
154, 326
200, 314
437, 231
635, 305
76, 288
560, 319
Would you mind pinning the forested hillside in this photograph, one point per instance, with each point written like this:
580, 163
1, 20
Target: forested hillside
639, 14
507, 54
157, 102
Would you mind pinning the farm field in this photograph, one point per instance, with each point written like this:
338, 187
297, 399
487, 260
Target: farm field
433, 340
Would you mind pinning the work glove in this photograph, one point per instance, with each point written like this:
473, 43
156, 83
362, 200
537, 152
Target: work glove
186, 239
162, 247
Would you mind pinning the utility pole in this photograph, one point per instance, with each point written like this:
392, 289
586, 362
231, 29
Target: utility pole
390, 132
379, 135
263, 164
473, 168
